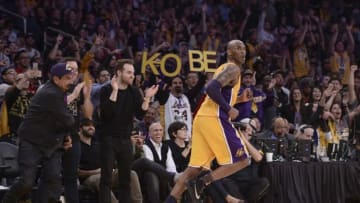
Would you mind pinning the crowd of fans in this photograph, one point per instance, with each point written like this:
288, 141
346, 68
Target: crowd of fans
300, 80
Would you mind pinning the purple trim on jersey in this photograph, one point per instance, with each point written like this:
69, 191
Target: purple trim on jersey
226, 92
234, 142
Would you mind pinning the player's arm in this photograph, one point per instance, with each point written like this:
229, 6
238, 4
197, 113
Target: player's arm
226, 77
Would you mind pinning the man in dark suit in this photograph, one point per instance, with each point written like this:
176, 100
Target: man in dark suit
44, 133
279, 130
278, 137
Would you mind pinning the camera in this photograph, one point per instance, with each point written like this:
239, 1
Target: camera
240, 126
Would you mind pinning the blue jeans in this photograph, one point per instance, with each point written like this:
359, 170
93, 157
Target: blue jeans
29, 158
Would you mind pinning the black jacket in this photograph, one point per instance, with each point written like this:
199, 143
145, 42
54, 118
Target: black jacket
117, 117
47, 120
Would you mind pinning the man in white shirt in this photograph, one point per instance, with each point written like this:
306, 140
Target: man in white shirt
176, 105
156, 189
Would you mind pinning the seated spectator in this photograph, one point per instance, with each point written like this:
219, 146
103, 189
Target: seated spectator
334, 126
138, 142
194, 88
156, 188
8, 76
250, 100
143, 165
179, 147
4, 59
102, 77
279, 130
149, 118
17, 98
175, 104
30, 43
89, 168
305, 132
311, 112
292, 111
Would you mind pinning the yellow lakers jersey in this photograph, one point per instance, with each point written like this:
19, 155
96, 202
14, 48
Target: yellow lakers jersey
340, 64
210, 108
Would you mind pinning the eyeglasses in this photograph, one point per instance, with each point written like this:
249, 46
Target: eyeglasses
105, 75
183, 128
10, 73
253, 127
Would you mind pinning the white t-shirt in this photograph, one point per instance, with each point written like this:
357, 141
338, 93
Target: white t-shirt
177, 109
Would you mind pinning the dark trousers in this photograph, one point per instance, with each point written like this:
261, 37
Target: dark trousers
154, 179
155, 188
121, 150
70, 163
143, 165
29, 158
251, 191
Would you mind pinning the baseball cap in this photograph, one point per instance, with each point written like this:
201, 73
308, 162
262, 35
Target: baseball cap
183, 43
60, 69
278, 71
29, 35
247, 72
86, 122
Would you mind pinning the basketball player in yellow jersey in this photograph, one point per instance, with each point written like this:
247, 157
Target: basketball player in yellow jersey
213, 134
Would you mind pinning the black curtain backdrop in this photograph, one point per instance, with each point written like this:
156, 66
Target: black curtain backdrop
313, 182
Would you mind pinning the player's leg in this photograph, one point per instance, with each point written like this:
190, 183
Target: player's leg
201, 156
230, 153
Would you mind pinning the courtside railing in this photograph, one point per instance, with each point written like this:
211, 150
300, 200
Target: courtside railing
2, 9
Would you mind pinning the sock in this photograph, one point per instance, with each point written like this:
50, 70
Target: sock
170, 199
207, 179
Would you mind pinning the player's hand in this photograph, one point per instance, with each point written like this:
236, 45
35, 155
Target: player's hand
233, 113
